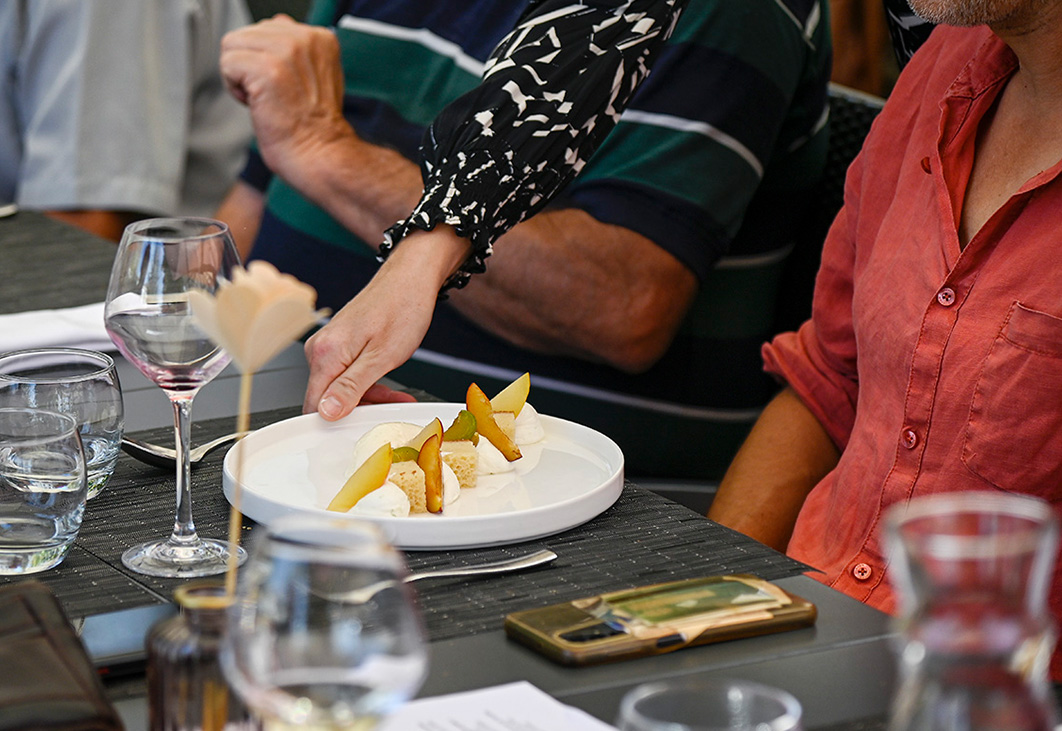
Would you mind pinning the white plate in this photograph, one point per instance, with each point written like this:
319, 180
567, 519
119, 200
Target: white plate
299, 464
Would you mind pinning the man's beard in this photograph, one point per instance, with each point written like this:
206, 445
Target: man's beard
973, 12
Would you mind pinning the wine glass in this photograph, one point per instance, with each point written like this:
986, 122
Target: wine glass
148, 317
304, 646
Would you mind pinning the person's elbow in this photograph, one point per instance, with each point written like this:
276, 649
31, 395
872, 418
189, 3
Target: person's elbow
642, 332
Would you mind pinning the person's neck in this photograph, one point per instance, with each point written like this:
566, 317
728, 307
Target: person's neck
1036, 40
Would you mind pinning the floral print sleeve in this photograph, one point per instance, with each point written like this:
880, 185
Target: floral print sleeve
551, 92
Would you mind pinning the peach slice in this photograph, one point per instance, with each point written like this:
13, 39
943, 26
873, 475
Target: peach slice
478, 403
434, 428
430, 460
371, 475
514, 396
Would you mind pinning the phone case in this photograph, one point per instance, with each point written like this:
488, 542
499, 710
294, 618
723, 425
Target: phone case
659, 618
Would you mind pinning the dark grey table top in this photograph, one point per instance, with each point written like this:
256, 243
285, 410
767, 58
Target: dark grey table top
55, 265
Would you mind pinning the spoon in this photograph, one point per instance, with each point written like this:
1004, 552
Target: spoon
159, 456
365, 593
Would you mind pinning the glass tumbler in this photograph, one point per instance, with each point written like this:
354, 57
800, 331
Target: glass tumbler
699, 704
42, 489
83, 383
972, 571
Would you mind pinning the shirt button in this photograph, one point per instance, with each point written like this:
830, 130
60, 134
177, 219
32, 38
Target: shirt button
925, 165
909, 438
946, 296
862, 571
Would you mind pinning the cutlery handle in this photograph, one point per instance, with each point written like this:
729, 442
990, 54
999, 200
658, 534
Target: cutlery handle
496, 567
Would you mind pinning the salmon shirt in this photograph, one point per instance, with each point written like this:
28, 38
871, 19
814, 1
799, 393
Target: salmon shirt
934, 367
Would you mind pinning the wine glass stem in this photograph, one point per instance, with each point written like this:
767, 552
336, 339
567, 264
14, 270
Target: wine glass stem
183, 525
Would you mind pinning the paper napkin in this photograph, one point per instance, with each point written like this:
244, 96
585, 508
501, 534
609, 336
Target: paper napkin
507, 707
72, 327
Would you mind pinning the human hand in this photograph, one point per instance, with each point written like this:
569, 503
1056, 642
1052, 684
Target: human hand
374, 333
380, 328
290, 77
378, 393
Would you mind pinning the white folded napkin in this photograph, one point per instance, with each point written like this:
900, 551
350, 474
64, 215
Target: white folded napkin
72, 327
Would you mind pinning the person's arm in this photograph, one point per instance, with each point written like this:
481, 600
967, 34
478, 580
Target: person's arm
565, 284
289, 75
552, 91
105, 224
785, 455
381, 327
242, 212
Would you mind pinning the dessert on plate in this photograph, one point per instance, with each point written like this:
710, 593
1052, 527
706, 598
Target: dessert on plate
400, 468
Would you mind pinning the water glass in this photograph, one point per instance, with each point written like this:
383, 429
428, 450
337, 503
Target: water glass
306, 646
972, 571
42, 488
83, 383
699, 704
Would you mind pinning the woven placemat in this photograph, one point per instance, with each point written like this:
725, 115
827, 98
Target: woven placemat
644, 538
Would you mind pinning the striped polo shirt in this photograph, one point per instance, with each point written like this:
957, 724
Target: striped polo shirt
714, 160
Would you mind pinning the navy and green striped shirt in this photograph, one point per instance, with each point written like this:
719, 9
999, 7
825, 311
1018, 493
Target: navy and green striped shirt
714, 160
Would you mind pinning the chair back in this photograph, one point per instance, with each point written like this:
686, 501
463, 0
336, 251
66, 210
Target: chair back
851, 114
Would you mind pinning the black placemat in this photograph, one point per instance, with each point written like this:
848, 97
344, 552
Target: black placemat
644, 538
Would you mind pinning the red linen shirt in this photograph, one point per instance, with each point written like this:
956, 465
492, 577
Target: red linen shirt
934, 367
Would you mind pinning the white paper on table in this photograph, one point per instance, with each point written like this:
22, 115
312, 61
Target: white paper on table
72, 327
516, 706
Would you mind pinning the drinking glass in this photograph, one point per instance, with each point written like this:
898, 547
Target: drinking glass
83, 383
42, 488
147, 315
972, 572
698, 704
304, 646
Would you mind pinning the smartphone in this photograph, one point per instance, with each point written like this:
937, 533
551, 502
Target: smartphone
659, 618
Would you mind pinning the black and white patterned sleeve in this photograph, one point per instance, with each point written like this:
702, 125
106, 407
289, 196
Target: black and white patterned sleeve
551, 92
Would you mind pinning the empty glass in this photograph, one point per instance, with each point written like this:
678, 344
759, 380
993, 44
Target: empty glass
42, 488
158, 262
972, 571
83, 383
700, 704
304, 646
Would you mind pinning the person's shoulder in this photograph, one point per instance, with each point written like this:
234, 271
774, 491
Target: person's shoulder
771, 35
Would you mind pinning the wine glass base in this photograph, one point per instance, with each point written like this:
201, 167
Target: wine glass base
167, 558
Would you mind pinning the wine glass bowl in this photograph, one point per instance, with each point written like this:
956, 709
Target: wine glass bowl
303, 647
148, 316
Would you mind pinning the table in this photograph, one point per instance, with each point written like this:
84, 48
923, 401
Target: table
841, 669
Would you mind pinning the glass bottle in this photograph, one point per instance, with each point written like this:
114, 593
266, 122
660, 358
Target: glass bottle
186, 689
972, 571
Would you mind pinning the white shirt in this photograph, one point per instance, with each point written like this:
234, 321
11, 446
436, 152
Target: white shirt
118, 104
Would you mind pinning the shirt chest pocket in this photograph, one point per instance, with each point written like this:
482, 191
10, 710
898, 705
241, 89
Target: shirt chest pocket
1014, 433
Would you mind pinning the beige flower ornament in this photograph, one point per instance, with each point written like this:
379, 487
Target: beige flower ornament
257, 314
253, 317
